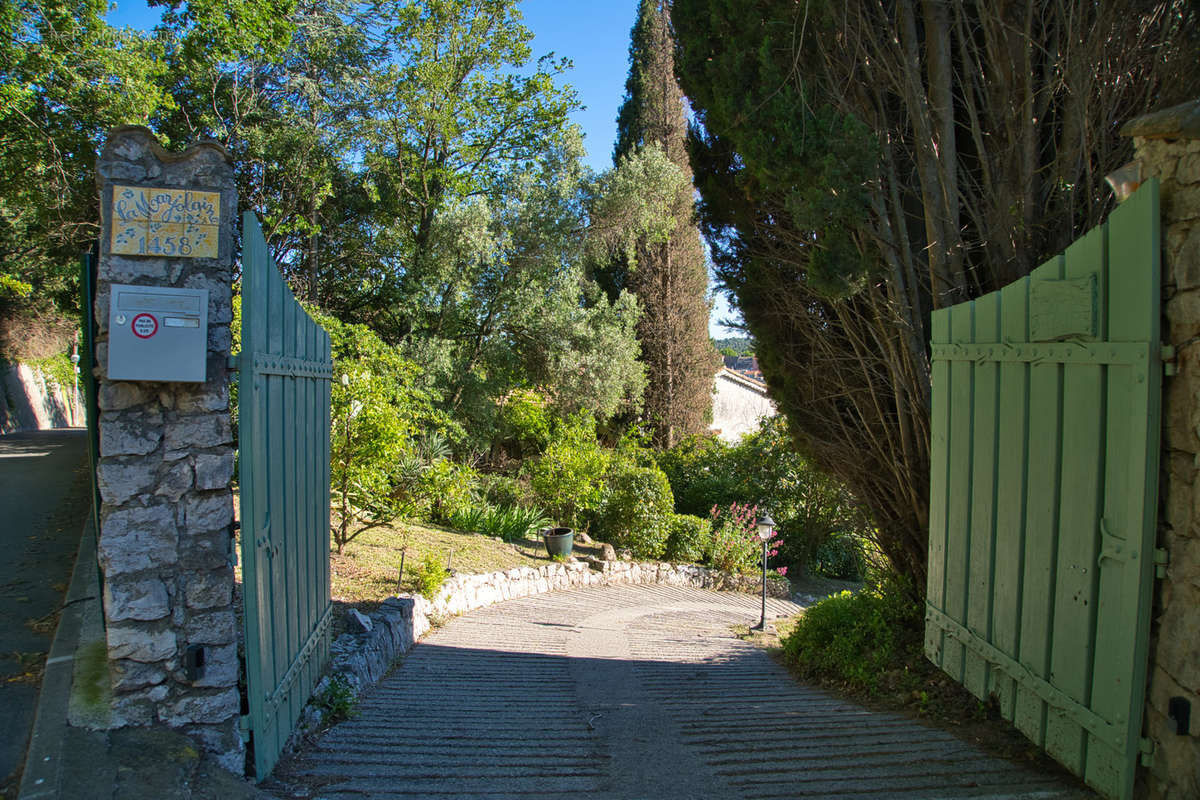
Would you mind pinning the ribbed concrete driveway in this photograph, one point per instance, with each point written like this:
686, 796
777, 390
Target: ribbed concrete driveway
633, 692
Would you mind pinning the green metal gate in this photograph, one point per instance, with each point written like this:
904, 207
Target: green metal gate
283, 463
1045, 441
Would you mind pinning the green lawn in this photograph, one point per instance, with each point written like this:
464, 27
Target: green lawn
365, 574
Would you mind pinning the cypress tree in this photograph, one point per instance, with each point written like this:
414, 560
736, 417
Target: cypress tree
669, 278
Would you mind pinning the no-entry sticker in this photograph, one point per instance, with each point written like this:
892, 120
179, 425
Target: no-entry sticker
144, 326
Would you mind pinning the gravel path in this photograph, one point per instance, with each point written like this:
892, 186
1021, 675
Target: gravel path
633, 692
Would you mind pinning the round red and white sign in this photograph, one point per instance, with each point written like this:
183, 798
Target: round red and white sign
144, 326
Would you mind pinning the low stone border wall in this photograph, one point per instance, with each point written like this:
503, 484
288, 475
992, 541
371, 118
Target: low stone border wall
363, 657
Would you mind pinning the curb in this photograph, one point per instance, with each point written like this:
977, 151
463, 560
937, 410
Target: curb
42, 775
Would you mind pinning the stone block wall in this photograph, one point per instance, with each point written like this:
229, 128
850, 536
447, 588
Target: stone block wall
165, 472
1168, 145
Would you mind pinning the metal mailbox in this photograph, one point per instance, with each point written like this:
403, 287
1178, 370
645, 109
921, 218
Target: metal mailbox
157, 333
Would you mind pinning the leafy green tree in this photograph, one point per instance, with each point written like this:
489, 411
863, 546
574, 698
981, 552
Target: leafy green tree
455, 113
284, 102
66, 77
524, 423
415, 173
667, 271
508, 305
376, 411
736, 346
863, 163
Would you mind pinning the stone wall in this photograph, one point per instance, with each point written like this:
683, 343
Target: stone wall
1168, 146
30, 402
166, 465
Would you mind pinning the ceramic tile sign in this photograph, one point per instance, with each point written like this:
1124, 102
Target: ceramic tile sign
177, 223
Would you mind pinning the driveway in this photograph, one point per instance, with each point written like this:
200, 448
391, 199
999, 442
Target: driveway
632, 692
44, 495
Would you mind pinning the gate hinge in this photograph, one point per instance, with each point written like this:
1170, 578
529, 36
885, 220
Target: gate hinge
1161, 559
1146, 749
1168, 358
234, 363
245, 726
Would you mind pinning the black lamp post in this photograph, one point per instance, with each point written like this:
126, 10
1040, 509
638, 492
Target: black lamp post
765, 526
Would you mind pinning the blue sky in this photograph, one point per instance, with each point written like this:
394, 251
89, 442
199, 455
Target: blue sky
593, 34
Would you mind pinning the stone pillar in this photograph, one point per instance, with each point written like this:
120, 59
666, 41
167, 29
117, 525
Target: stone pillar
166, 450
1168, 145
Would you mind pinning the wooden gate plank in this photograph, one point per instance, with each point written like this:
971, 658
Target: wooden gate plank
282, 647
939, 487
1037, 610
254, 448
305, 432
1073, 626
962, 385
1011, 486
1130, 504
1083, 459
981, 533
293, 533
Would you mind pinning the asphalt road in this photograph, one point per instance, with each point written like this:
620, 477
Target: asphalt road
44, 493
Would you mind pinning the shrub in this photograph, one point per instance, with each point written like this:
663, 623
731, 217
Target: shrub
765, 469
524, 428
503, 490
507, 522
568, 480
472, 519
375, 409
687, 537
637, 511
337, 698
448, 487
734, 545
699, 469
842, 555
514, 522
431, 574
854, 638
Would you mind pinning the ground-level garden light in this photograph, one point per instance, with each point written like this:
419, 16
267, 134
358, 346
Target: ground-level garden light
765, 528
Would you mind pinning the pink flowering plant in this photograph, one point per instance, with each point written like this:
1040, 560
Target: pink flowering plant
735, 546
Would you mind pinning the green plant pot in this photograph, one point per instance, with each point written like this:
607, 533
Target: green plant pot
559, 541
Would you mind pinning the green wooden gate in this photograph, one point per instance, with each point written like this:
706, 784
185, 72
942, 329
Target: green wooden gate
1045, 441
283, 464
